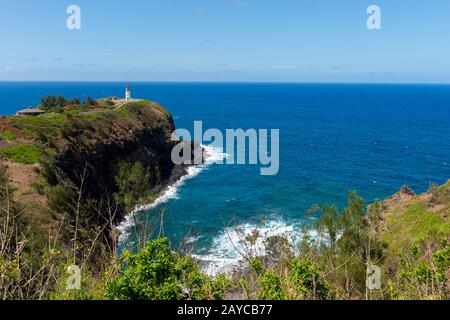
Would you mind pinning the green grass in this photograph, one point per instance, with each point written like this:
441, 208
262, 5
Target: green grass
416, 223
8, 135
142, 104
74, 112
103, 103
93, 115
444, 187
81, 127
423, 223
22, 153
48, 124
124, 112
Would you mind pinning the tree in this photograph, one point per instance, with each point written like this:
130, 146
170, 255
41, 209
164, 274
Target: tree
158, 273
359, 244
330, 221
74, 101
133, 183
52, 102
353, 223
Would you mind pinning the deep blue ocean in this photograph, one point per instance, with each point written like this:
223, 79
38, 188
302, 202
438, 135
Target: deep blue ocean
333, 138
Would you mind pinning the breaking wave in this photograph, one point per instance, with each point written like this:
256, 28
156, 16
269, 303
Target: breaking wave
227, 250
212, 155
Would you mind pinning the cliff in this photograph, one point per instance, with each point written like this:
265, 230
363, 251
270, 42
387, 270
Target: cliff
56, 158
66, 178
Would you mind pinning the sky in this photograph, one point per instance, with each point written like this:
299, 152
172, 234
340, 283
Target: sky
226, 41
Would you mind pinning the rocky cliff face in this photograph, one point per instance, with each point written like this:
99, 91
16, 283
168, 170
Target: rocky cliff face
67, 172
144, 138
81, 150
140, 132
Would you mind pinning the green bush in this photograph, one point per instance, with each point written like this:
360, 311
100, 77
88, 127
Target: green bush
133, 183
271, 287
52, 102
60, 197
27, 259
305, 278
157, 273
256, 265
441, 259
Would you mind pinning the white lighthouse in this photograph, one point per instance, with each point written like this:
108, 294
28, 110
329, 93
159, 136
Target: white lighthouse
127, 93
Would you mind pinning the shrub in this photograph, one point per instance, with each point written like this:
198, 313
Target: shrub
271, 287
60, 198
441, 259
305, 277
27, 262
53, 102
157, 273
256, 265
133, 183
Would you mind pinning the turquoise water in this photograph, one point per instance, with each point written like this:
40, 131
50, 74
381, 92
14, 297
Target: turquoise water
370, 138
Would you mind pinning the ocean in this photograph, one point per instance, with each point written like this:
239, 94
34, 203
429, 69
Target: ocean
371, 138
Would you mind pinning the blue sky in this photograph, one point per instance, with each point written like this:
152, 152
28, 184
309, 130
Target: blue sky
226, 40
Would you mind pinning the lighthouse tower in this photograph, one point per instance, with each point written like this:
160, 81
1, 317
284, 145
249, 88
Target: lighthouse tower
127, 93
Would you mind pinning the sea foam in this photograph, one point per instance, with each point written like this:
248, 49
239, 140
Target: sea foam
225, 253
212, 155
230, 248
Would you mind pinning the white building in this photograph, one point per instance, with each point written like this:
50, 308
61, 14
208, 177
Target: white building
29, 112
127, 93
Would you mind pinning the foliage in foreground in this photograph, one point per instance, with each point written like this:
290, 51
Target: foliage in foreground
332, 265
157, 273
27, 260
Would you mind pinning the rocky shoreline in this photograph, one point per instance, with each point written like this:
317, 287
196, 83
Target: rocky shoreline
178, 174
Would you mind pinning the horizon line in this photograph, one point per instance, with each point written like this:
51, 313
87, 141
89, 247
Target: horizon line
228, 82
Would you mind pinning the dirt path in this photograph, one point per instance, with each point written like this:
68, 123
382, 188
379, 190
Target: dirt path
24, 178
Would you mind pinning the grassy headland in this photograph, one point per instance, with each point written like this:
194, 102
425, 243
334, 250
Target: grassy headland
67, 174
